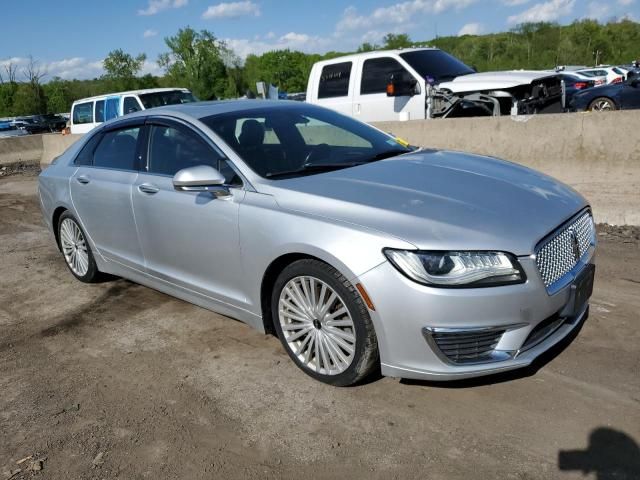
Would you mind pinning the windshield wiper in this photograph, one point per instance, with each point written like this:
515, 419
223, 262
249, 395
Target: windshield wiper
328, 167
314, 167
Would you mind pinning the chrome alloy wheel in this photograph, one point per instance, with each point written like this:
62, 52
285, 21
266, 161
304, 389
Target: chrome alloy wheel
74, 247
602, 106
317, 325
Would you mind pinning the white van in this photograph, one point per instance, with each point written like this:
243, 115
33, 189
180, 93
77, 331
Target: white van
87, 113
419, 83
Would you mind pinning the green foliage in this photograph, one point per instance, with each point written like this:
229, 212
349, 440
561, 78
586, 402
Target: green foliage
287, 69
122, 68
28, 99
545, 45
197, 61
393, 41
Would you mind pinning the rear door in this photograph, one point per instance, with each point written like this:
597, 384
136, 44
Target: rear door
371, 103
630, 97
335, 87
101, 192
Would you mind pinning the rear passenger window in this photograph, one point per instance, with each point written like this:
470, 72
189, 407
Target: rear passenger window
172, 149
377, 72
100, 111
117, 149
334, 80
85, 157
83, 113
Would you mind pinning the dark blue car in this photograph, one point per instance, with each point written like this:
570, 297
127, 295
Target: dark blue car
617, 96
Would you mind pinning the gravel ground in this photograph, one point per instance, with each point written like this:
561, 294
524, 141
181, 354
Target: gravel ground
118, 381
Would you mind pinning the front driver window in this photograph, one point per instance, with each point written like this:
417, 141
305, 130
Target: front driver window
172, 149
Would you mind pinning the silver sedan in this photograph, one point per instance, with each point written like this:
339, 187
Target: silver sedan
358, 251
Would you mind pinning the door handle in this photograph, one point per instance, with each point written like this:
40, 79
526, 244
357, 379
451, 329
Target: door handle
148, 188
83, 179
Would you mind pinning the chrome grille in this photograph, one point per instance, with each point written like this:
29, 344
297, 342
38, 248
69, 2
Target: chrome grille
467, 346
564, 249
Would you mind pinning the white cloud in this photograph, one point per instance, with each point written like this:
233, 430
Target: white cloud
292, 40
149, 33
471, 29
598, 10
157, 6
232, 10
544, 12
397, 14
626, 3
514, 3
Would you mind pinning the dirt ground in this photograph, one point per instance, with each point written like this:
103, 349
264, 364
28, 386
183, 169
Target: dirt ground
118, 381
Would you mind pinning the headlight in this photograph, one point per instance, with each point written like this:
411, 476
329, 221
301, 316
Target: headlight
457, 269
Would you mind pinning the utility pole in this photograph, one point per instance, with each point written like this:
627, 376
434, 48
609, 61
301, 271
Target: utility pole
597, 54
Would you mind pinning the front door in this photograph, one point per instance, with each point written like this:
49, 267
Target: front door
189, 239
630, 96
101, 194
371, 102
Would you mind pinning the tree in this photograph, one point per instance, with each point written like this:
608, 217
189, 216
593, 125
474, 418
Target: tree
57, 96
197, 61
368, 47
399, 40
122, 68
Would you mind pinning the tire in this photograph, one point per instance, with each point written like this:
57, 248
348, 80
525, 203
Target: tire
75, 249
332, 341
602, 104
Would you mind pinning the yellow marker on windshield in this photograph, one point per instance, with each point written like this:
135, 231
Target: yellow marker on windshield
402, 141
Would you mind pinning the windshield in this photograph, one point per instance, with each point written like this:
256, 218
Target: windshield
436, 64
294, 140
160, 99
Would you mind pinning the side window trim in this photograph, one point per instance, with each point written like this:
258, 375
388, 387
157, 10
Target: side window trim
179, 124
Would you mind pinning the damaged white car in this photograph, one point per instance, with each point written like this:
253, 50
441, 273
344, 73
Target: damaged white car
419, 83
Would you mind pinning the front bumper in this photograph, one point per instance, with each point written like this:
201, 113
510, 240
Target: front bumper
406, 313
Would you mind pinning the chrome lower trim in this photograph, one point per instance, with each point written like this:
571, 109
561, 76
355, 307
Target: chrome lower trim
495, 356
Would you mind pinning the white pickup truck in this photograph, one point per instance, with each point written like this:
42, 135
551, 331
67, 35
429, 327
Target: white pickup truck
419, 83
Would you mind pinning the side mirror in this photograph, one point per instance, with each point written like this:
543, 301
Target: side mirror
401, 88
202, 178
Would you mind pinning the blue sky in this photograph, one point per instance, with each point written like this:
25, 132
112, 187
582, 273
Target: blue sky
70, 38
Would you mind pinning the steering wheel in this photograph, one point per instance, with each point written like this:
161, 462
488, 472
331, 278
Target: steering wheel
318, 152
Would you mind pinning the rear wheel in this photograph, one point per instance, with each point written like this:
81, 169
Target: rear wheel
76, 250
323, 323
602, 104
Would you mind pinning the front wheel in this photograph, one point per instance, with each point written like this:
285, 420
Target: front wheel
602, 104
324, 324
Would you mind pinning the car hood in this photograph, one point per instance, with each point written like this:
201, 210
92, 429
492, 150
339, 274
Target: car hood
438, 200
493, 80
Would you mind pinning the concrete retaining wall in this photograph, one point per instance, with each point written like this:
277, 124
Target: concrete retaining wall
41, 149
597, 154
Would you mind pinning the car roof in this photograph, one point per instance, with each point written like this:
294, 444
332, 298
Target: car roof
375, 53
201, 110
130, 92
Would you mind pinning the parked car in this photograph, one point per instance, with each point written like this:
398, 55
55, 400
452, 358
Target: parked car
617, 96
418, 83
29, 125
575, 83
355, 249
606, 75
7, 129
51, 122
87, 113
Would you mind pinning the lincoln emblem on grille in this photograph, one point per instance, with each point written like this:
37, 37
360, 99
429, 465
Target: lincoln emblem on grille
574, 244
